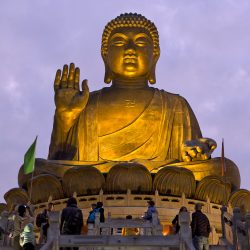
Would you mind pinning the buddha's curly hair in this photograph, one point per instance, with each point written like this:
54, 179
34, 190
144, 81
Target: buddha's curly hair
130, 20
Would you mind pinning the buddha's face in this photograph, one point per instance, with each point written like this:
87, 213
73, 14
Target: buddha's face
130, 53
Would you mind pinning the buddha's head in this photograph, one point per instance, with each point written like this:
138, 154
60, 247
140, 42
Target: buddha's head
130, 49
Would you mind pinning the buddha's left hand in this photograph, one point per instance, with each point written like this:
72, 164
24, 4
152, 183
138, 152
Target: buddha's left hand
198, 149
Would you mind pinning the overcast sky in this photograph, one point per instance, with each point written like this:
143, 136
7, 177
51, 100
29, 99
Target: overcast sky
205, 57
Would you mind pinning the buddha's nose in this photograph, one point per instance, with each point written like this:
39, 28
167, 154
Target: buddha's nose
130, 52
130, 48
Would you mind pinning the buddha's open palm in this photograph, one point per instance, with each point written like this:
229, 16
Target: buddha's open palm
197, 150
69, 99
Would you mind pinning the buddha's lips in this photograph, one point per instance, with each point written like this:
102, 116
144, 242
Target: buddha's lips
130, 59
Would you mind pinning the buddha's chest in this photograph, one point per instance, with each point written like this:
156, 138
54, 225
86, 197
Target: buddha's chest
117, 110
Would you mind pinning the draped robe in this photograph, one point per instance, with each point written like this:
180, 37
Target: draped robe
156, 134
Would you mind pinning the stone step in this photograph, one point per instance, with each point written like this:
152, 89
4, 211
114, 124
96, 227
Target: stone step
217, 247
130, 248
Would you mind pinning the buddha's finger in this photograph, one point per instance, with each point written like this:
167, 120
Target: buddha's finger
213, 145
187, 158
199, 155
84, 93
85, 87
206, 156
71, 76
199, 149
77, 78
64, 76
193, 153
57, 80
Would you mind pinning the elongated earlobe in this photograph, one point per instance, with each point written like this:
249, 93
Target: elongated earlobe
151, 76
108, 75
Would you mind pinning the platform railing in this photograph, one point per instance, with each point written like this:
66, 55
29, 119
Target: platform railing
236, 229
129, 200
100, 235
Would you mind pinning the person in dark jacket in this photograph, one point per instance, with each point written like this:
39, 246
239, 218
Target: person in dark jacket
175, 221
42, 221
71, 219
100, 209
200, 228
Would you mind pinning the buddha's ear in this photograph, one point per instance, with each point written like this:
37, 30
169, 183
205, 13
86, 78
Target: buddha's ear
151, 75
108, 74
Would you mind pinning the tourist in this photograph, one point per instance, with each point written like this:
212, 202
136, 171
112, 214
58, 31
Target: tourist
151, 210
71, 219
100, 209
175, 221
42, 221
91, 217
6, 227
27, 237
21, 219
200, 228
127, 231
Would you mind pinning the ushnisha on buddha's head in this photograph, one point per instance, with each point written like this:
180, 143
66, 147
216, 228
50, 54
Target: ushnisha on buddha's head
130, 49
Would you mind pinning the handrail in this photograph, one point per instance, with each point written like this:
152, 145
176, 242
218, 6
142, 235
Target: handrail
153, 237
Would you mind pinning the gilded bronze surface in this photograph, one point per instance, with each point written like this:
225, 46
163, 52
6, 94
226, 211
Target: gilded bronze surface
128, 120
241, 199
215, 188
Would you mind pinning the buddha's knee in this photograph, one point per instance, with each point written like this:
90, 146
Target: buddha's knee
213, 167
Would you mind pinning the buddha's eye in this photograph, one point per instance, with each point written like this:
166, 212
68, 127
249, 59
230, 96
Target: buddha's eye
118, 41
141, 42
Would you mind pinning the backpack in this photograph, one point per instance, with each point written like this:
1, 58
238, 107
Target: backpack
91, 218
73, 222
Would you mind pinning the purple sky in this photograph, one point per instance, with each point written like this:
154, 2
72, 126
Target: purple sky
205, 48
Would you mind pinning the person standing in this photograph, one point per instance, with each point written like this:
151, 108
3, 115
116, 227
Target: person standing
200, 228
91, 217
151, 210
27, 237
21, 219
42, 221
71, 219
100, 209
175, 221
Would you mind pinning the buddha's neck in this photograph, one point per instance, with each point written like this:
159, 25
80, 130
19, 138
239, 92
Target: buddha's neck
130, 83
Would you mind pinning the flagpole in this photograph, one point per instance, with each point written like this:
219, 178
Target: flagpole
223, 169
222, 158
31, 184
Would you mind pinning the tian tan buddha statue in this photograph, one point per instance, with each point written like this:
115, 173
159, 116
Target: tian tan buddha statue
128, 135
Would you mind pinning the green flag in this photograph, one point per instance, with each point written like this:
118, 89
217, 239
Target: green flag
29, 159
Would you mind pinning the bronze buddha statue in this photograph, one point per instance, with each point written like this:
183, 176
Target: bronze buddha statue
129, 120
128, 123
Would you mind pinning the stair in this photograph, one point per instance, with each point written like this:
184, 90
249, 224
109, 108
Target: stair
217, 247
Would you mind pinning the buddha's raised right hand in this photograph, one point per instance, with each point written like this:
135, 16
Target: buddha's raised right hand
69, 99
